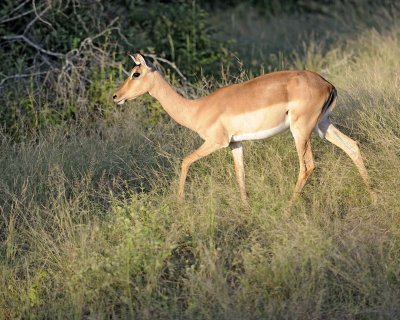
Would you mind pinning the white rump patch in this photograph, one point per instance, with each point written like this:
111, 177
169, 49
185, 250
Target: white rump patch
263, 134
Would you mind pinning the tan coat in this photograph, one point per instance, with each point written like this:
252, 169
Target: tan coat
259, 108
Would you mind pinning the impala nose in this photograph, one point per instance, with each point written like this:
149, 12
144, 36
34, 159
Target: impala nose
114, 96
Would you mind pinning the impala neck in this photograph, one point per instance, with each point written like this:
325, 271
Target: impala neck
181, 109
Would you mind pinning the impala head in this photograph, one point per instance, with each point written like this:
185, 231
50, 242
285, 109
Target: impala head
140, 81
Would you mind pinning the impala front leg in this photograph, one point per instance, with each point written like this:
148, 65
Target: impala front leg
206, 149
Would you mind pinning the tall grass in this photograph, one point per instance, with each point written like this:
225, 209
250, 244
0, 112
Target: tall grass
91, 227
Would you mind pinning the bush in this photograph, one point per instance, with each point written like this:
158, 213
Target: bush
63, 59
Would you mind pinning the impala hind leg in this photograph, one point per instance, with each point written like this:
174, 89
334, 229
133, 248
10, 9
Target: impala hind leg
350, 147
307, 166
237, 152
205, 149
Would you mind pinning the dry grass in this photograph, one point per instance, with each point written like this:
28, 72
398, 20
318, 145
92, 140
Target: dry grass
91, 227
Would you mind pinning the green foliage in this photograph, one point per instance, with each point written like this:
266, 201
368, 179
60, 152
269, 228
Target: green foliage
178, 31
79, 64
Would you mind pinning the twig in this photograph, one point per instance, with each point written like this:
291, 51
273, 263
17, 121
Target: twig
103, 32
32, 44
170, 63
21, 75
37, 17
124, 38
6, 19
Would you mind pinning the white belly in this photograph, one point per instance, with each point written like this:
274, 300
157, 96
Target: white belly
263, 134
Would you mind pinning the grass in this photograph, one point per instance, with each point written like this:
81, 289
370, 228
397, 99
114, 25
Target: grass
91, 227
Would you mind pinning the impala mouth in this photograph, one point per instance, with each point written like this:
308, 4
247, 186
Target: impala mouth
122, 101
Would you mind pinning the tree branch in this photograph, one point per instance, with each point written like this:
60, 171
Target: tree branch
40, 15
37, 17
21, 75
6, 19
34, 45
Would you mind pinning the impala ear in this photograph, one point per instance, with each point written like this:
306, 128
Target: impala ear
133, 57
138, 59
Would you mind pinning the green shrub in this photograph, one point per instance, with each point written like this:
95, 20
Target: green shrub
65, 65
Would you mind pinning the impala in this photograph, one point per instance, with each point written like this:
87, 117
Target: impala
256, 109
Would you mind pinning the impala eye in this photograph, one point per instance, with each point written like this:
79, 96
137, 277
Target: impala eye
135, 75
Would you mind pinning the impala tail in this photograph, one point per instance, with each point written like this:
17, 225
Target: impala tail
330, 103
326, 110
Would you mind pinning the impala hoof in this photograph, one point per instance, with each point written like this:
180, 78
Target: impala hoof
374, 198
181, 196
